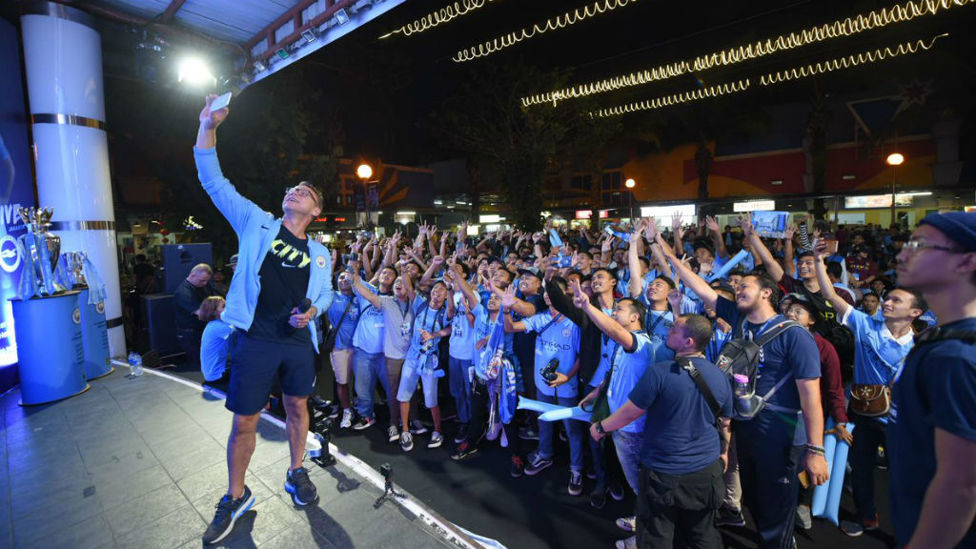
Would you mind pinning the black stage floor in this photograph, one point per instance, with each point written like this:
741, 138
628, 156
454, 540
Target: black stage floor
536, 512
139, 463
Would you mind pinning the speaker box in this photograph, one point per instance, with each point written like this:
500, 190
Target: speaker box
159, 324
178, 259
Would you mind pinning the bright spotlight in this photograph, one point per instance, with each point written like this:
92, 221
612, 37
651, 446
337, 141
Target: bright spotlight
630, 183
364, 171
895, 159
195, 72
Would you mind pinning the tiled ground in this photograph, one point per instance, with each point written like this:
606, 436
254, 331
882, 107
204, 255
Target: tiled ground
140, 463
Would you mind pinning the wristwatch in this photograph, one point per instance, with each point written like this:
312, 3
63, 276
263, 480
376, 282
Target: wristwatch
599, 427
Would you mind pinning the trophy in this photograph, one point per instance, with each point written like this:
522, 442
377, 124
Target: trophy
42, 250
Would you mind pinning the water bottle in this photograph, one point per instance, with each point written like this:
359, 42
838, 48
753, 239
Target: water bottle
747, 404
135, 364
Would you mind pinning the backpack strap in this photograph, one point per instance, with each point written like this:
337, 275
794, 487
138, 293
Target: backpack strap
706, 391
776, 330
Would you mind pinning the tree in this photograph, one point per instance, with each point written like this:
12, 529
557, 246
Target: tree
516, 148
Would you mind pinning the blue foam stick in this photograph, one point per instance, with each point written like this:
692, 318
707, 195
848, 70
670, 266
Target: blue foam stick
536, 406
836, 488
729, 265
569, 412
554, 238
820, 492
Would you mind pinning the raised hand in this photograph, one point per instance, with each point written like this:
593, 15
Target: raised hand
650, 228
607, 245
508, 296
745, 221
712, 224
676, 222
580, 299
789, 232
210, 120
675, 297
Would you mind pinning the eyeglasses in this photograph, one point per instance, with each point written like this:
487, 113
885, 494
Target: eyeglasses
913, 246
302, 191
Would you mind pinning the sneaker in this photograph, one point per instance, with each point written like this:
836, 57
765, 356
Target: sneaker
629, 543
406, 441
417, 428
803, 517
627, 524
363, 423
518, 467
851, 528
591, 474
575, 483
346, 419
598, 497
728, 517
462, 434
463, 450
536, 464
435, 440
303, 492
528, 433
393, 433
617, 491
228, 511
504, 440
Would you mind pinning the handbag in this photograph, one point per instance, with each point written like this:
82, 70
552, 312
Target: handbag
870, 400
330, 336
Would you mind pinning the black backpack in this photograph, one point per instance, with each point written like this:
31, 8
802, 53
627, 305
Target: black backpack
741, 355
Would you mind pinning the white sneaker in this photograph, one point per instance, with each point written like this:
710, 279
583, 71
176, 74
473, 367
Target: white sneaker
346, 419
629, 543
627, 524
417, 428
393, 433
435, 440
406, 441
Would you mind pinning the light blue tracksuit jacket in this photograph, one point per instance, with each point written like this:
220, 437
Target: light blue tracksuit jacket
256, 229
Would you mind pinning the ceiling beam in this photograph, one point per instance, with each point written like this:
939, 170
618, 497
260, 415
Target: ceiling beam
295, 13
171, 10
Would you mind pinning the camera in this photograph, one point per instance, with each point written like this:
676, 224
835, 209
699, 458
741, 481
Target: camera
548, 371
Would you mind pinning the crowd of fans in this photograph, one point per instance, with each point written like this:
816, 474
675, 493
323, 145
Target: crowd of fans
488, 313
709, 363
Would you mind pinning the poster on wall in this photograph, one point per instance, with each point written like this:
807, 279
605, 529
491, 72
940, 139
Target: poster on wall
16, 184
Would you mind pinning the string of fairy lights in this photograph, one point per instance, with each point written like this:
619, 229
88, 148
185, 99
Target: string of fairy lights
771, 78
439, 17
558, 22
837, 29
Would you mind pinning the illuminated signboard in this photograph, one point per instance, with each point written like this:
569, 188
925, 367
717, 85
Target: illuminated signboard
754, 206
877, 201
584, 214
663, 214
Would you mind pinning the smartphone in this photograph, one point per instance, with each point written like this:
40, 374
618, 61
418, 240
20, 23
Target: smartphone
221, 102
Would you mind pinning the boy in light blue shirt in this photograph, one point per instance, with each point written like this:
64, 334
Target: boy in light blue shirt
557, 344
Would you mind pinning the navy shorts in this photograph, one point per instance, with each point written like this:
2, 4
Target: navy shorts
255, 363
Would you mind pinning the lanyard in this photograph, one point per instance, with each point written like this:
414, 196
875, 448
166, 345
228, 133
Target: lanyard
554, 320
658, 320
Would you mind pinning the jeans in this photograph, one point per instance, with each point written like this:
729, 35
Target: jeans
460, 387
368, 369
870, 434
574, 430
628, 452
767, 468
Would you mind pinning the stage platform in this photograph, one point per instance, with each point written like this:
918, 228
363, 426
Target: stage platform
139, 463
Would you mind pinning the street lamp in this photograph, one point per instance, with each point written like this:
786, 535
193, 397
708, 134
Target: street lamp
364, 172
894, 160
630, 184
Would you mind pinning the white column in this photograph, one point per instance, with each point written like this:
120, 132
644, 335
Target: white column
63, 60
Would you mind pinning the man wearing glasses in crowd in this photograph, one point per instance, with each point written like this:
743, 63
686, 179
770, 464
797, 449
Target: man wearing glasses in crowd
932, 425
282, 282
